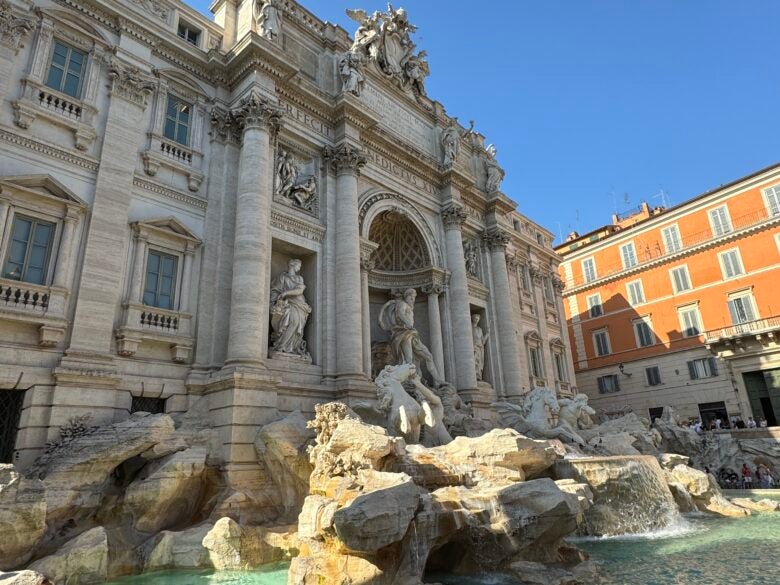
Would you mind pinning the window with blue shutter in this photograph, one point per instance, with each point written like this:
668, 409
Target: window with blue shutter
29, 250
160, 280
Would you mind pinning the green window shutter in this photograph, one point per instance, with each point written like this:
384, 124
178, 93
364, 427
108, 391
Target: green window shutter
692, 370
713, 366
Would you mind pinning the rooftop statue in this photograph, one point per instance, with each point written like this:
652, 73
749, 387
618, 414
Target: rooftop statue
450, 140
494, 172
384, 39
269, 21
397, 317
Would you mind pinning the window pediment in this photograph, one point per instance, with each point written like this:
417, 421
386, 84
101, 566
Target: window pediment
168, 228
77, 31
42, 185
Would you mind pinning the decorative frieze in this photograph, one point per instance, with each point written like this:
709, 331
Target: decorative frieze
224, 127
130, 84
13, 28
299, 227
345, 158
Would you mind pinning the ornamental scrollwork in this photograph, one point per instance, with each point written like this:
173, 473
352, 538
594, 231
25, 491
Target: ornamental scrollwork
257, 111
129, 83
345, 158
13, 28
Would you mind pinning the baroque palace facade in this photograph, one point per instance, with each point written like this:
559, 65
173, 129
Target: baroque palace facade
679, 307
224, 209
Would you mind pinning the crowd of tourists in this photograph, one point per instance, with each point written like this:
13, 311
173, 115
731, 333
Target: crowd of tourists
716, 424
746, 479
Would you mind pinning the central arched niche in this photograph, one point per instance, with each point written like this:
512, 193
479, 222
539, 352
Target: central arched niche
401, 245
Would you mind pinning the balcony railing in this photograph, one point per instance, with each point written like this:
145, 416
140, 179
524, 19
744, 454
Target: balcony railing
741, 329
650, 251
24, 296
59, 104
176, 151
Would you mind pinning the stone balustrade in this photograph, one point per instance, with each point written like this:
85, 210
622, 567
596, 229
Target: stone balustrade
141, 323
36, 305
168, 153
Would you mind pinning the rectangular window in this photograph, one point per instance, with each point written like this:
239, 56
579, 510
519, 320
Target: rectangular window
560, 366
601, 343
731, 264
702, 368
636, 293
594, 306
536, 363
524, 278
644, 334
672, 240
741, 308
680, 279
189, 33
628, 254
689, 321
29, 250
773, 200
548, 289
589, 269
653, 374
160, 280
719, 218
608, 384
177, 120
66, 69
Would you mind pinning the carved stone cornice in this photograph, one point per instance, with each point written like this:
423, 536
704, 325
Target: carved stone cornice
537, 273
224, 127
453, 217
496, 238
257, 111
13, 28
367, 249
129, 83
345, 158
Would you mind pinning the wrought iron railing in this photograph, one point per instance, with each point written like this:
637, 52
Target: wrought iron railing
740, 329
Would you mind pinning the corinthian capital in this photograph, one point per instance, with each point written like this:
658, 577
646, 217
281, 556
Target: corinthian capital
496, 238
257, 111
13, 28
224, 127
130, 83
345, 158
453, 217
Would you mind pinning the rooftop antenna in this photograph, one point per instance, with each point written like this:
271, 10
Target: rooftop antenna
560, 231
663, 196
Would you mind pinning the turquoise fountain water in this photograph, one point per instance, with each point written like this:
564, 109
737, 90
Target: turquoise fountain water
705, 550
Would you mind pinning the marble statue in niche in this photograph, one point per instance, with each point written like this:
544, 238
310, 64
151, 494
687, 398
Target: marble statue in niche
451, 137
291, 187
493, 171
351, 72
397, 317
289, 312
480, 338
470, 256
268, 19
384, 39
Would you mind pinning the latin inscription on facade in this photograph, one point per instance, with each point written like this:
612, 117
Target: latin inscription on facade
397, 170
308, 120
400, 120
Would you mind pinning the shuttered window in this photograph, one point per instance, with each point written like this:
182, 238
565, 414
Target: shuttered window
644, 335
719, 218
653, 374
689, 321
703, 368
601, 342
608, 384
741, 309
594, 306
628, 254
680, 279
773, 200
731, 264
672, 239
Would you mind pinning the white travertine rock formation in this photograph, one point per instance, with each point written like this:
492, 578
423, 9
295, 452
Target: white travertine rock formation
765, 505
23, 578
81, 561
283, 445
705, 491
168, 490
177, 550
234, 547
22, 516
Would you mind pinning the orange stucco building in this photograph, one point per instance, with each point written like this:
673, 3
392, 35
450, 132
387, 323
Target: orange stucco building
681, 306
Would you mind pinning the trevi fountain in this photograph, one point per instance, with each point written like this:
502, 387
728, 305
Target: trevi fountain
432, 463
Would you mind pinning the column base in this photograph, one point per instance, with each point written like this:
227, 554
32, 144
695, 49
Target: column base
241, 400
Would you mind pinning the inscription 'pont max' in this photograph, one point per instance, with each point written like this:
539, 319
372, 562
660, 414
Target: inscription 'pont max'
400, 120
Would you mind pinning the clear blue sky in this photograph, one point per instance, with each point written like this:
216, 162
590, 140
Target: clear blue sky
590, 100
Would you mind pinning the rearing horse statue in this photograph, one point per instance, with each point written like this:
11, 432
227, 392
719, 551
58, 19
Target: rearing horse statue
532, 418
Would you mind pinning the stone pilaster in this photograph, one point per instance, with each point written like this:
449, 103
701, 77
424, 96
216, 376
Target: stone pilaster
186, 277
347, 161
367, 265
139, 260
434, 325
4, 208
64, 266
259, 120
501, 297
460, 312
86, 377
537, 282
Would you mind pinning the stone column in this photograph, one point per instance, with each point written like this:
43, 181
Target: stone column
502, 301
186, 276
434, 325
249, 309
5, 207
139, 261
367, 265
65, 258
347, 161
537, 281
458, 292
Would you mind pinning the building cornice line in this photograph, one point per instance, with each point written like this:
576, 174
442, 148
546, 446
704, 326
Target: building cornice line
85, 162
